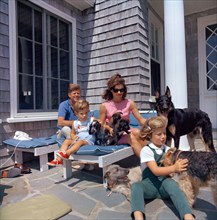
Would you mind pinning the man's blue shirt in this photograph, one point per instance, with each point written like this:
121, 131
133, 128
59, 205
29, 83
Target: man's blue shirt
66, 111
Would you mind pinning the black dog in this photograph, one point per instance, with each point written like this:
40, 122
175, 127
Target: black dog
120, 126
102, 135
184, 121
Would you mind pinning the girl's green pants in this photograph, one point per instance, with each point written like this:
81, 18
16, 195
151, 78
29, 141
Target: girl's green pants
166, 188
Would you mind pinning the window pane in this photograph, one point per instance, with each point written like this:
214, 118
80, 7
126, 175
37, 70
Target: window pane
38, 60
38, 26
63, 90
64, 65
25, 56
64, 35
53, 31
54, 63
155, 77
25, 92
54, 94
211, 56
24, 21
39, 92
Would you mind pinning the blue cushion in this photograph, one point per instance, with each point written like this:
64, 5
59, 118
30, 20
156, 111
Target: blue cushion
133, 122
95, 149
35, 142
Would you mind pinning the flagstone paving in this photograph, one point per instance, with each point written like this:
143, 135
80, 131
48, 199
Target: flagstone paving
88, 197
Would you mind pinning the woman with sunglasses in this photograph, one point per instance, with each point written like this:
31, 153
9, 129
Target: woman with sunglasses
116, 101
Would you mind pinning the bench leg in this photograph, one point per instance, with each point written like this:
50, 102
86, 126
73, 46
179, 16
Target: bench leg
18, 157
67, 169
103, 174
43, 159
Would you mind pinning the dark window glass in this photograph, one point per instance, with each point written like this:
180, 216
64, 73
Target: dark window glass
44, 70
155, 77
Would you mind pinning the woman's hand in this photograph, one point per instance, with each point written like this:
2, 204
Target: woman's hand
181, 165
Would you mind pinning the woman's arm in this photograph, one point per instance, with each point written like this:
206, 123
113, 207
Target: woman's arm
102, 114
179, 166
102, 118
136, 113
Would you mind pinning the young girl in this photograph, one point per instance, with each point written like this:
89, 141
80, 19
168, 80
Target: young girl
79, 134
154, 182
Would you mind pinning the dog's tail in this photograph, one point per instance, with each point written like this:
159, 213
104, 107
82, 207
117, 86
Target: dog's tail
206, 132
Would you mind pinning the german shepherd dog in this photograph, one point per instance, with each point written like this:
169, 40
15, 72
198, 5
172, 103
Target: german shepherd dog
184, 121
119, 179
201, 171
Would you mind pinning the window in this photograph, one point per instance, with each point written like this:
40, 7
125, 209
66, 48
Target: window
44, 51
155, 62
41, 71
211, 57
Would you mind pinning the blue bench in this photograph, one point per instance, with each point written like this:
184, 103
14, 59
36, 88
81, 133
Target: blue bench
102, 155
38, 146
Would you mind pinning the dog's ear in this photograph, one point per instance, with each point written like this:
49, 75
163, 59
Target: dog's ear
167, 93
157, 95
106, 174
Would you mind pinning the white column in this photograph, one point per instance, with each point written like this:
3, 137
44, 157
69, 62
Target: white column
175, 56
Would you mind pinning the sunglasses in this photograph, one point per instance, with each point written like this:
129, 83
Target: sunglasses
118, 90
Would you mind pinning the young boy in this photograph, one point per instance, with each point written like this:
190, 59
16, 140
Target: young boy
79, 134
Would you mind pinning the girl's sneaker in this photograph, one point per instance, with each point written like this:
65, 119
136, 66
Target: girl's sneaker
62, 155
55, 163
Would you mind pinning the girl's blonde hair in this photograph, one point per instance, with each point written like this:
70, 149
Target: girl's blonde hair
151, 125
81, 105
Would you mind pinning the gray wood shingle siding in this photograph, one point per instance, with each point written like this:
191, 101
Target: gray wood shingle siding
111, 37
116, 41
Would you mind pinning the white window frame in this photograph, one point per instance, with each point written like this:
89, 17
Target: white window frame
158, 24
33, 116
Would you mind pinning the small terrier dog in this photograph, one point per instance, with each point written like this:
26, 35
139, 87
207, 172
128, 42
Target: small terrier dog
102, 135
120, 126
201, 171
119, 179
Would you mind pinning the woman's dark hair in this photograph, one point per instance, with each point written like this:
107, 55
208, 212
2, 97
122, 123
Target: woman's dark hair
116, 79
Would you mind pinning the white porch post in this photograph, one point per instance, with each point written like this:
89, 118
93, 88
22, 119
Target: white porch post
175, 55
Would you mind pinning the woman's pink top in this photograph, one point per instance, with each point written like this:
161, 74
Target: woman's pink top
114, 107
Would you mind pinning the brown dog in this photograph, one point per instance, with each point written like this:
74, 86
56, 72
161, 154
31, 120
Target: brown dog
119, 179
201, 171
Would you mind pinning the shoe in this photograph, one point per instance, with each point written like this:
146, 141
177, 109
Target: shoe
23, 167
55, 163
78, 166
89, 167
62, 155
59, 134
13, 172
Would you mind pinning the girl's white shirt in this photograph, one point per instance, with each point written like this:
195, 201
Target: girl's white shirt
147, 154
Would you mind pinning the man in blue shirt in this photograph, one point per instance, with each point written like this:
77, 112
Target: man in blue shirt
66, 113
